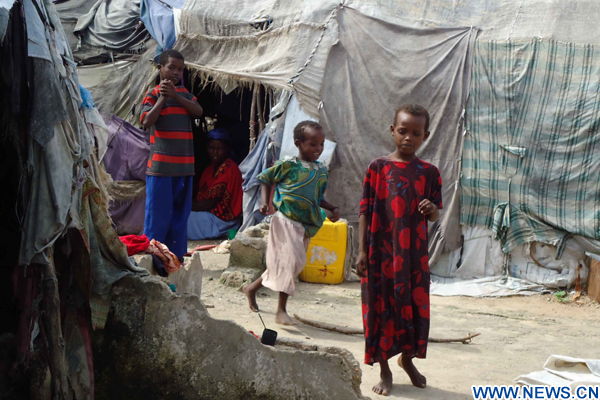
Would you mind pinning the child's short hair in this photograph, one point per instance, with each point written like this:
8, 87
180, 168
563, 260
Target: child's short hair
301, 127
163, 59
416, 111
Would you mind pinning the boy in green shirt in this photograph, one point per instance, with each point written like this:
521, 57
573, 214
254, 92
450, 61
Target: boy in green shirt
300, 184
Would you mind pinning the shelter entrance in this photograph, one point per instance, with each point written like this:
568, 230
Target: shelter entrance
243, 111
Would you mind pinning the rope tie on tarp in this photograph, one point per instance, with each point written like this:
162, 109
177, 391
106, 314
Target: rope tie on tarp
317, 45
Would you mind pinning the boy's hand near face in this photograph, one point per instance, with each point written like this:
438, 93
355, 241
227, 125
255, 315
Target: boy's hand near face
167, 89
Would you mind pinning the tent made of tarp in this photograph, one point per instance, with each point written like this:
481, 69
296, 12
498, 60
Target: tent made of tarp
99, 31
510, 85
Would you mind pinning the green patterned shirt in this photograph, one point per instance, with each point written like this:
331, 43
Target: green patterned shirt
299, 188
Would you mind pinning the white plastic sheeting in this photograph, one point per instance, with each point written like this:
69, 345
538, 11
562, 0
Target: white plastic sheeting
537, 262
481, 256
112, 25
493, 286
564, 371
294, 115
479, 268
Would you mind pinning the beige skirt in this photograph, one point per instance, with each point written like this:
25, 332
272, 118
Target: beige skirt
286, 254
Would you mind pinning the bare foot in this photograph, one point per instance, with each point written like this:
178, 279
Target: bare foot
251, 298
385, 385
407, 365
282, 318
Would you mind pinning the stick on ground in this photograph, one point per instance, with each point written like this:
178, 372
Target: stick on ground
330, 327
351, 331
464, 340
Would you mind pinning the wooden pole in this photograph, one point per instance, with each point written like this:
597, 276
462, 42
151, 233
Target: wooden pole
261, 116
253, 116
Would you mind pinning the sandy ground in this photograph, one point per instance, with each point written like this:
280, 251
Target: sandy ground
517, 333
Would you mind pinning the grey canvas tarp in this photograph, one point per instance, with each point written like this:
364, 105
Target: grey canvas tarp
376, 67
271, 42
113, 25
69, 12
286, 44
124, 88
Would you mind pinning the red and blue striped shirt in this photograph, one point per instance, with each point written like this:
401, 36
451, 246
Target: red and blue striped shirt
171, 139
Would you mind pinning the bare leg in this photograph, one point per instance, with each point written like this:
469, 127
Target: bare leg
282, 316
418, 380
250, 292
385, 385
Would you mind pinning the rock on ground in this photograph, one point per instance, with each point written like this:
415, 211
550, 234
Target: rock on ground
248, 252
160, 345
247, 259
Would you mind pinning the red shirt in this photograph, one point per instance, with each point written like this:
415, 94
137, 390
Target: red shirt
226, 185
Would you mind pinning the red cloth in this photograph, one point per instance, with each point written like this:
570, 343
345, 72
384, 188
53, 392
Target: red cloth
169, 260
135, 244
225, 185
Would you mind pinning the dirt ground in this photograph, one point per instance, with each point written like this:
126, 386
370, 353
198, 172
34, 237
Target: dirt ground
517, 333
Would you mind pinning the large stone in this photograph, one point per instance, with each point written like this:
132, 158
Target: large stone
157, 345
248, 252
238, 277
257, 231
247, 260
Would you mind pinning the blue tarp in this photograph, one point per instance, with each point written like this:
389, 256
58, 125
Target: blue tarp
158, 18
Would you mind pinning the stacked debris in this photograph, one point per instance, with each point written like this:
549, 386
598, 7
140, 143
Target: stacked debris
248, 256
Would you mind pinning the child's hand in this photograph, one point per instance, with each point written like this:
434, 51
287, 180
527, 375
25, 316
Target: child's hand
167, 89
361, 264
335, 214
264, 209
426, 207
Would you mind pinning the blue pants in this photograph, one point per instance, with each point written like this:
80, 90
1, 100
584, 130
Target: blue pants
168, 206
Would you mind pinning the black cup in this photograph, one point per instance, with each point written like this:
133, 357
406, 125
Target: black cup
269, 337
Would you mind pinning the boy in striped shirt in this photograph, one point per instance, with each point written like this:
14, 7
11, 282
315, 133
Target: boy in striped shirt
169, 108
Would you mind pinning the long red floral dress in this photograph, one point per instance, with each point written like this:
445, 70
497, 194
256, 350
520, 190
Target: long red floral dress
395, 293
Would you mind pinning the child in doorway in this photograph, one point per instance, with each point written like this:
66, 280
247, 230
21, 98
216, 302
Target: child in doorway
169, 108
300, 184
400, 194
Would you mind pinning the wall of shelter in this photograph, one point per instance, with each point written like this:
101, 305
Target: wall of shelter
355, 94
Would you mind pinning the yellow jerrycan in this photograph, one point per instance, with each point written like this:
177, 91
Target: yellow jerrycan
326, 254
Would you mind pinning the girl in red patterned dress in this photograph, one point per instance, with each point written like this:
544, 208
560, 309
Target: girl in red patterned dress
401, 193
